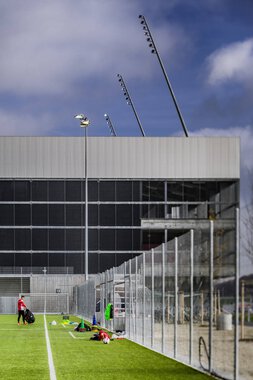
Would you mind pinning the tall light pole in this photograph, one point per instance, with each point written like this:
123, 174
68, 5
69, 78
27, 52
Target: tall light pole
110, 125
84, 122
154, 50
130, 102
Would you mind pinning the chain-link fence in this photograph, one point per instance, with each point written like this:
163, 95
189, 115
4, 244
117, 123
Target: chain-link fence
180, 299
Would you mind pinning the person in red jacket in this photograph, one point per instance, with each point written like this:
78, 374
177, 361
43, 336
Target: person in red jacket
21, 309
102, 335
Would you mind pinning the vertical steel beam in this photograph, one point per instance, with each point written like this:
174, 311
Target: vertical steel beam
237, 274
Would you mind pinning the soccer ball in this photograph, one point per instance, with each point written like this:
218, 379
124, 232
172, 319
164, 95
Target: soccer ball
106, 340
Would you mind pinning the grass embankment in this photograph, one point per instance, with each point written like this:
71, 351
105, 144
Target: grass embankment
24, 355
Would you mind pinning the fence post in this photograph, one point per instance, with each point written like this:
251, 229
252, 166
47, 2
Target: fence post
191, 296
211, 298
136, 295
152, 298
176, 298
236, 346
129, 318
144, 300
163, 297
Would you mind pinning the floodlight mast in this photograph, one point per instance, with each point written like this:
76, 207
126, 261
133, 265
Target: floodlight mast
154, 50
110, 125
84, 123
130, 102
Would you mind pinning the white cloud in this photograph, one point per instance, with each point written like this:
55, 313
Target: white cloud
48, 47
231, 63
15, 124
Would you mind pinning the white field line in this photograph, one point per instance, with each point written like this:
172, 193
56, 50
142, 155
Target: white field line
49, 353
75, 337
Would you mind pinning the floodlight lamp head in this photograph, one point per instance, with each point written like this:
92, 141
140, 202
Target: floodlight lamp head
80, 116
105, 115
84, 122
140, 16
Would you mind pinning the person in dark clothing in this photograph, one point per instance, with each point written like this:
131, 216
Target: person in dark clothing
21, 309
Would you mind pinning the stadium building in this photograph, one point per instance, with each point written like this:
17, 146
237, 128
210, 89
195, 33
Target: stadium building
141, 192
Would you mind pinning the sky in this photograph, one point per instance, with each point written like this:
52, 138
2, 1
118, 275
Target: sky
62, 57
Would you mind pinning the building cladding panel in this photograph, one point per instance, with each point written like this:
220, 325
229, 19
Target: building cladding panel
120, 157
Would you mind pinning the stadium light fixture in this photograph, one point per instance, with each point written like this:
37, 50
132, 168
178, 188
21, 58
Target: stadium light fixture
130, 102
154, 50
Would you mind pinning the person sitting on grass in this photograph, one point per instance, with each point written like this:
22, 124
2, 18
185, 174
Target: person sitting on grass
21, 309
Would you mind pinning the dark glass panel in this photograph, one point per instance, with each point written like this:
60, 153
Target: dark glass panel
156, 211
73, 191
73, 215
144, 211
92, 215
93, 240
6, 239
39, 239
22, 190
136, 215
22, 215
175, 191
145, 191
202, 191
107, 261
152, 239
6, 215
124, 191
56, 239
107, 191
75, 261
39, 259
124, 240
39, 214
7, 259
107, 215
92, 190
153, 191
136, 191
228, 192
191, 192
212, 191
22, 239
93, 263
57, 259
124, 215
56, 190
39, 190
137, 239
107, 240
74, 239
23, 259
122, 257
56, 215
6, 190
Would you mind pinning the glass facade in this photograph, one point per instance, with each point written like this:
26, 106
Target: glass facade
42, 222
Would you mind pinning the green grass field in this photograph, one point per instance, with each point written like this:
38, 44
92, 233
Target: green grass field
24, 354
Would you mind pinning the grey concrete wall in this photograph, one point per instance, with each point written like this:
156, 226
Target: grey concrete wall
120, 157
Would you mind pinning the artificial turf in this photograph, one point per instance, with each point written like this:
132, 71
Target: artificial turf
24, 354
